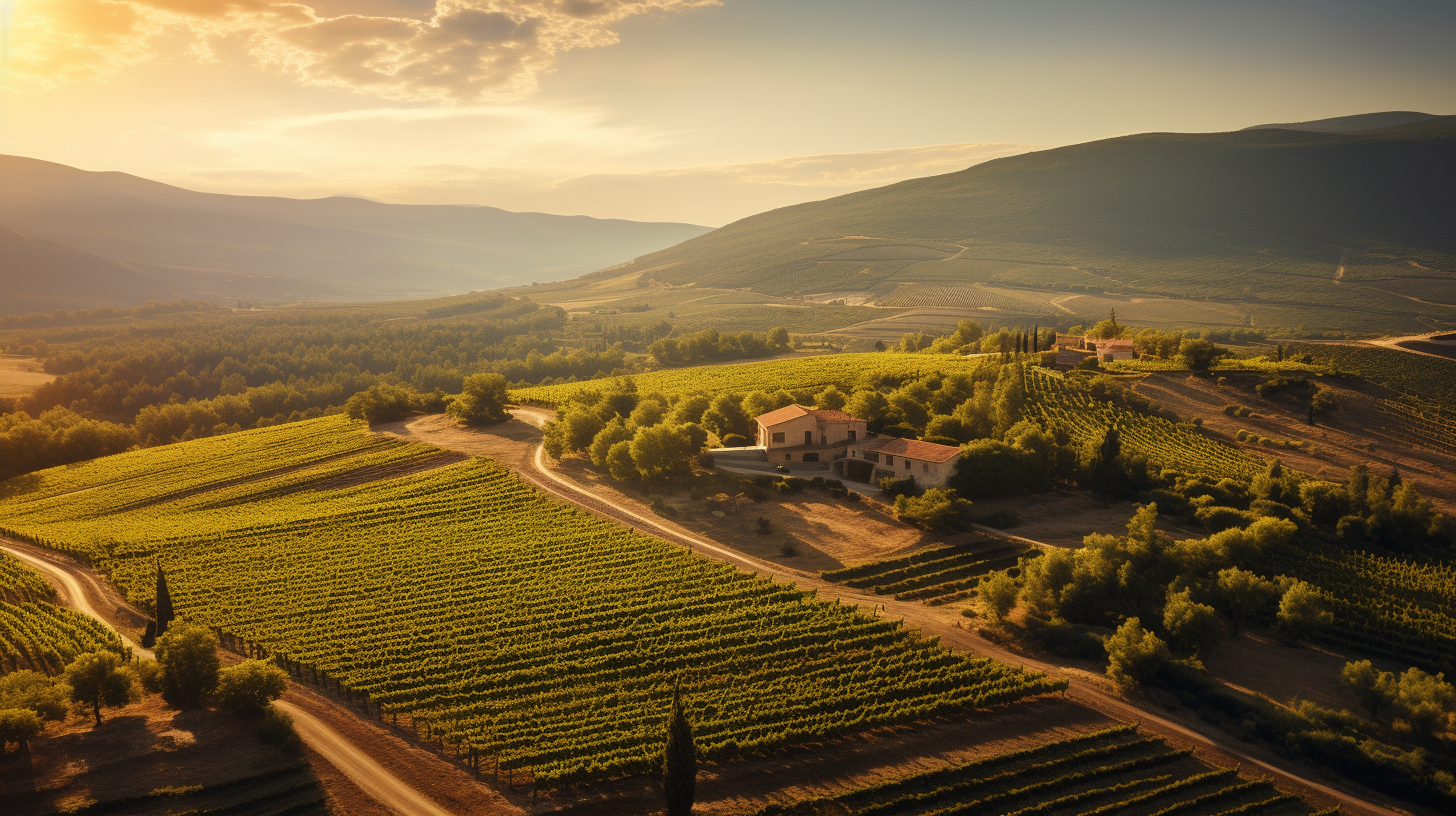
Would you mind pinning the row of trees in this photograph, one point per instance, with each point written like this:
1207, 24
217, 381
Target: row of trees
710, 345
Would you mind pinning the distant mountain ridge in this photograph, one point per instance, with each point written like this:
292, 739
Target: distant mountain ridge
1341, 222
212, 245
1347, 124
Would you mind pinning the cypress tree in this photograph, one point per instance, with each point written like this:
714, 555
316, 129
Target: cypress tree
680, 761
1036, 340
164, 603
149, 637
1311, 413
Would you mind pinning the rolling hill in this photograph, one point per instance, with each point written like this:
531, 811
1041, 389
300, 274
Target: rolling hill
1269, 227
208, 245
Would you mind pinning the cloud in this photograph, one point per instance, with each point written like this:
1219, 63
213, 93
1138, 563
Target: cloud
464, 51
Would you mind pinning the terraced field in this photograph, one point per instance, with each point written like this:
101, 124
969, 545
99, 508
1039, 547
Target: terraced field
1117, 770
936, 576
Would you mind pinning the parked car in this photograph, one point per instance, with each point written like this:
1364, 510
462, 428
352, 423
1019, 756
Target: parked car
782, 468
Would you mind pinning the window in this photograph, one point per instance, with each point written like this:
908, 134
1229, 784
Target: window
811, 457
907, 464
788, 457
851, 435
808, 437
778, 437
871, 456
889, 459
924, 467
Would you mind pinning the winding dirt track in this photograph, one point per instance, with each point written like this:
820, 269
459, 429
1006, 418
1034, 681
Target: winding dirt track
931, 623
372, 778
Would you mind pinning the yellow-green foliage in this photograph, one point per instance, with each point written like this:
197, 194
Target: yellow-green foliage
792, 374
501, 619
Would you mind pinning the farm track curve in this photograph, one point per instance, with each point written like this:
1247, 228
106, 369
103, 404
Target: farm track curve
930, 623
349, 759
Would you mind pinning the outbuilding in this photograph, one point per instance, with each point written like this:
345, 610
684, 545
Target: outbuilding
930, 463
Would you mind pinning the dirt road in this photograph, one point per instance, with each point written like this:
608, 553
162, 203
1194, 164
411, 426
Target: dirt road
932, 621
372, 778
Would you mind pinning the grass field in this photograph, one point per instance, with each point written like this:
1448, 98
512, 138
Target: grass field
498, 619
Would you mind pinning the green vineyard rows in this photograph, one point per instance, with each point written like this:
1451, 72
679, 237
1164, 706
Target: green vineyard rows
1425, 411
499, 620
936, 576
18, 582
1102, 772
1163, 442
1401, 610
792, 374
34, 634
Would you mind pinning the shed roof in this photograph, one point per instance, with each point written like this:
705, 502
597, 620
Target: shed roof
909, 448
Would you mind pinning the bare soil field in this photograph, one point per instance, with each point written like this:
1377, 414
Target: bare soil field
21, 375
146, 747
1259, 664
1064, 519
1341, 440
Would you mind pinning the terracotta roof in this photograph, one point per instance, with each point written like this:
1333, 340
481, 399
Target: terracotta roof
909, 448
789, 412
783, 414
830, 415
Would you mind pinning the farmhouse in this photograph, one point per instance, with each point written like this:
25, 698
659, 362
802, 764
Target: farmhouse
1115, 349
881, 456
807, 432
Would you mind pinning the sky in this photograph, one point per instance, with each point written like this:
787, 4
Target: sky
702, 111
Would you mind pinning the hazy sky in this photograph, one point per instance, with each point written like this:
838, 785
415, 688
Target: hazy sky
684, 110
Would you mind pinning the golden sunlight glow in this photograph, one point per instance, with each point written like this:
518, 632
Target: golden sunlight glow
466, 50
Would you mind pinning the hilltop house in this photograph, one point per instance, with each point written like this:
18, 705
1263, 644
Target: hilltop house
931, 464
795, 433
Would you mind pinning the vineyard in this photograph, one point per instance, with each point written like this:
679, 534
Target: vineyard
496, 620
1424, 410
937, 576
1116, 770
969, 297
1401, 610
794, 374
1164, 442
35, 634
18, 582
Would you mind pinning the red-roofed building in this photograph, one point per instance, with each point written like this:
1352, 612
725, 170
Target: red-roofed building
931, 464
794, 426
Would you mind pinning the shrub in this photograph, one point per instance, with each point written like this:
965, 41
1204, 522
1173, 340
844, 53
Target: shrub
892, 487
18, 725
250, 687
482, 400
188, 657
1135, 656
1216, 519
34, 691
1302, 610
938, 509
382, 403
734, 440
996, 595
276, 728
1191, 627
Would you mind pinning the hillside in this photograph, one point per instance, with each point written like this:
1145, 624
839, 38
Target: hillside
207, 245
1271, 228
